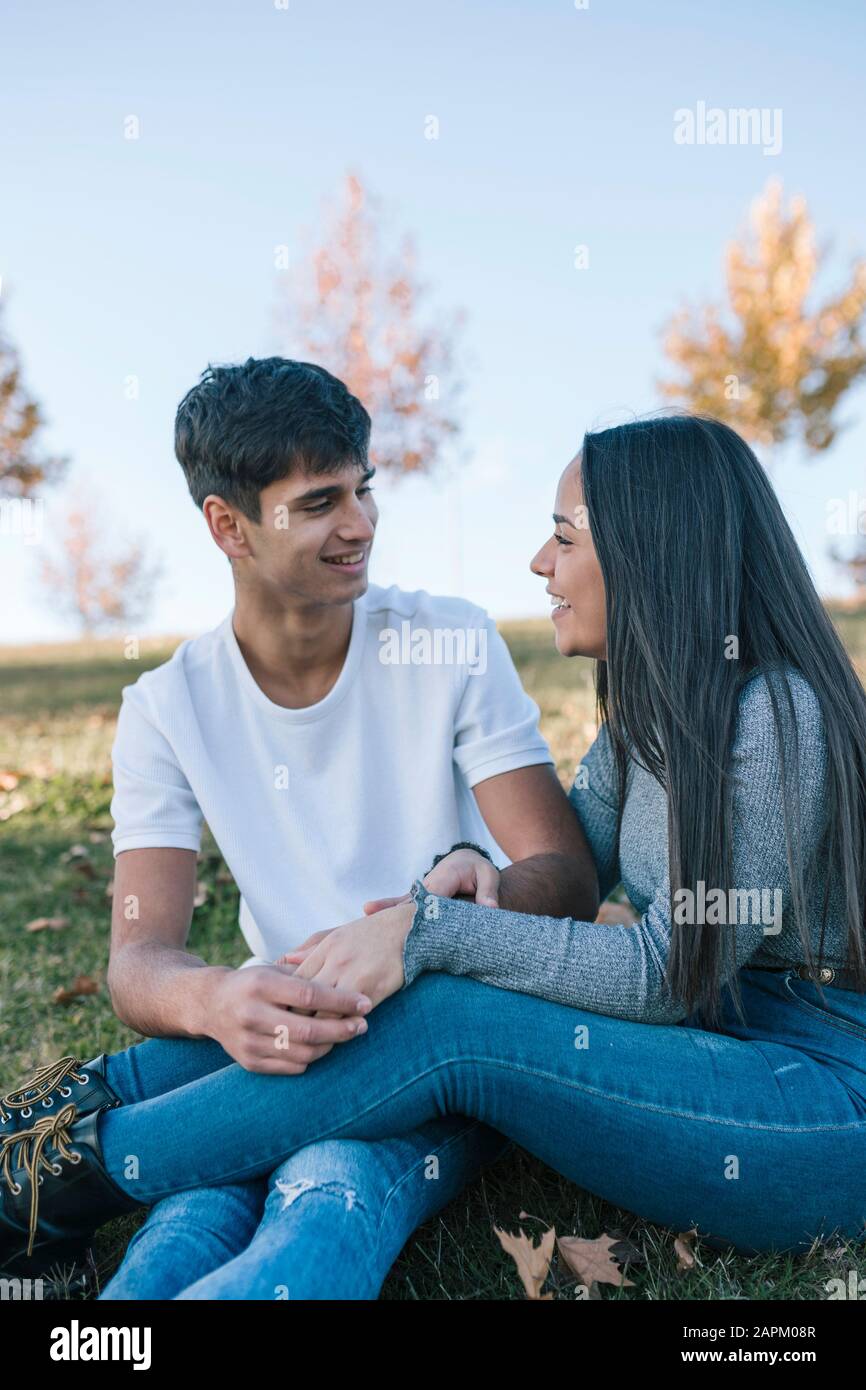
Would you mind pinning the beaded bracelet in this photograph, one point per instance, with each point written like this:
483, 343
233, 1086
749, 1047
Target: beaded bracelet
462, 844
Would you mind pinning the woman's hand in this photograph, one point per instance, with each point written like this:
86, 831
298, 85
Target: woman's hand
461, 874
370, 949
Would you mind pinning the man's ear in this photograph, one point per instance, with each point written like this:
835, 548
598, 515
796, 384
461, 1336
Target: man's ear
226, 528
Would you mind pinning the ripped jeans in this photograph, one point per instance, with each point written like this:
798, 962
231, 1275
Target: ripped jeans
755, 1133
327, 1224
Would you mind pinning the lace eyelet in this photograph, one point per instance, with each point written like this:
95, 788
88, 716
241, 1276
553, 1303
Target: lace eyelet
65, 1091
48, 1102
56, 1170
85, 1079
74, 1156
15, 1189
39, 1180
26, 1112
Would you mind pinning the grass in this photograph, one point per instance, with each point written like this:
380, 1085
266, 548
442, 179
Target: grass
59, 705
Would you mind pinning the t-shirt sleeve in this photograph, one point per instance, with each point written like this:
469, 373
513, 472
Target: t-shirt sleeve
153, 805
496, 725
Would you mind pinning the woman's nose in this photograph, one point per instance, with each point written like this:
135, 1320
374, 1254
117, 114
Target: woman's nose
542, 562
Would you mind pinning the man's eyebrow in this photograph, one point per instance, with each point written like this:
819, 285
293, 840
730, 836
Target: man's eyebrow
332, 489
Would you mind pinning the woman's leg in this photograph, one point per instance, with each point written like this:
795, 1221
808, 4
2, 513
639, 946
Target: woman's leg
754, 1142
339, 1212
157, 1065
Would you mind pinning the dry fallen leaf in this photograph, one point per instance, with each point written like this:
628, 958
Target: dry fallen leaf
47, 924
15, 803
201, 892
9, 781
592, 1261
683, 1247
82, 984
533, 1261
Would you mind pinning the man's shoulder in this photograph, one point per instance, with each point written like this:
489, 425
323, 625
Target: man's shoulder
162, 683
386, 605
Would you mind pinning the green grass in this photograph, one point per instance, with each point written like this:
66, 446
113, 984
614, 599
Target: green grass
59, 705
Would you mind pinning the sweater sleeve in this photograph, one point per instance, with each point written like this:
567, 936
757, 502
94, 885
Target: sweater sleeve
619, 970
594, 797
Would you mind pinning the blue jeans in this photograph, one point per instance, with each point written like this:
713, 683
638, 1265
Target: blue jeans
336, 1214
754, 1134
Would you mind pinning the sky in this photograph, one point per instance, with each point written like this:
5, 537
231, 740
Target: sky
149, 258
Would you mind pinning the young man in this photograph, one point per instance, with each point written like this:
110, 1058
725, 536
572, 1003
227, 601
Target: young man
333, 735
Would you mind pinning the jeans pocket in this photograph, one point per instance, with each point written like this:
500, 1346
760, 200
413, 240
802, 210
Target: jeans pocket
841, 1009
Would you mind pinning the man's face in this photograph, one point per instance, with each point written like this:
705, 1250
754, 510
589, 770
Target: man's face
314, 538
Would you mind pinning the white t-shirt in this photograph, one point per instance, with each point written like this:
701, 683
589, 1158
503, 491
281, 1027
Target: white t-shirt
316, 810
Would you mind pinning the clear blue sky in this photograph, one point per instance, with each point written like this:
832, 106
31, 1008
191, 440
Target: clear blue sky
152, 257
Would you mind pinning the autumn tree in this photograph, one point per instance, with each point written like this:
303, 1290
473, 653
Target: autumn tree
23, 466
773, 364
356, 308
101, 586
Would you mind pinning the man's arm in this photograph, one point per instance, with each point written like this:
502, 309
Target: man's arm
160, 989
529, 815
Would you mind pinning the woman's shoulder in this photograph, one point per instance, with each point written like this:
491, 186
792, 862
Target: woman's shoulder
779, 702
760, 686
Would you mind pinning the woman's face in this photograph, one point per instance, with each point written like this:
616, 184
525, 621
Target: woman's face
569, 564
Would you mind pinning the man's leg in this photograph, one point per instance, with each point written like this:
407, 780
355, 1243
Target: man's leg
190, 1234
186, 1237
340, 1211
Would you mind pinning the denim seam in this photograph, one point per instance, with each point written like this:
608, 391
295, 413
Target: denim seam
842, 1025
252, 1170
408, 1173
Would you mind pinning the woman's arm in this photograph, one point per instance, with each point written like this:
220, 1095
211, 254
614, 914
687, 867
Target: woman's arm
620, 970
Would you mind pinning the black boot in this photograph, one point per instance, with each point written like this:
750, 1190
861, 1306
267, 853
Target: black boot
49, 1089
54, 1191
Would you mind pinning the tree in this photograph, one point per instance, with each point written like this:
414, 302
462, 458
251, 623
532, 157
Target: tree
101, 589
771, 367
22, 466
355, 309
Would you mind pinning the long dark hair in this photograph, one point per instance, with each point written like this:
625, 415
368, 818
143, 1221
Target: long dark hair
694, 551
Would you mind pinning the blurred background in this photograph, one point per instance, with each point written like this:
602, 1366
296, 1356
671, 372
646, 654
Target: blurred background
490, 218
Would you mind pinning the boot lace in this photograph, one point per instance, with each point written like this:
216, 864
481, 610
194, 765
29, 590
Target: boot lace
28, 1146
40, 1085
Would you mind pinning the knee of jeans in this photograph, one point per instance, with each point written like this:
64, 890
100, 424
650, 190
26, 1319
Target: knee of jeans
340, 1170
342, 1160
209, 1207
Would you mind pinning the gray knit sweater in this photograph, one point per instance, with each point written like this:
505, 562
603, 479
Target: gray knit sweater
618, 970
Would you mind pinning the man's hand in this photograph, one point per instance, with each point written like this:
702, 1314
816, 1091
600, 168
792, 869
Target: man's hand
461, 874
257, 1018
366, 955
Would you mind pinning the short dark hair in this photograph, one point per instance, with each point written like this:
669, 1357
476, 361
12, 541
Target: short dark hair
243, 427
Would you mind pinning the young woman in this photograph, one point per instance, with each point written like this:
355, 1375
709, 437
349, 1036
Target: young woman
705, 1067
